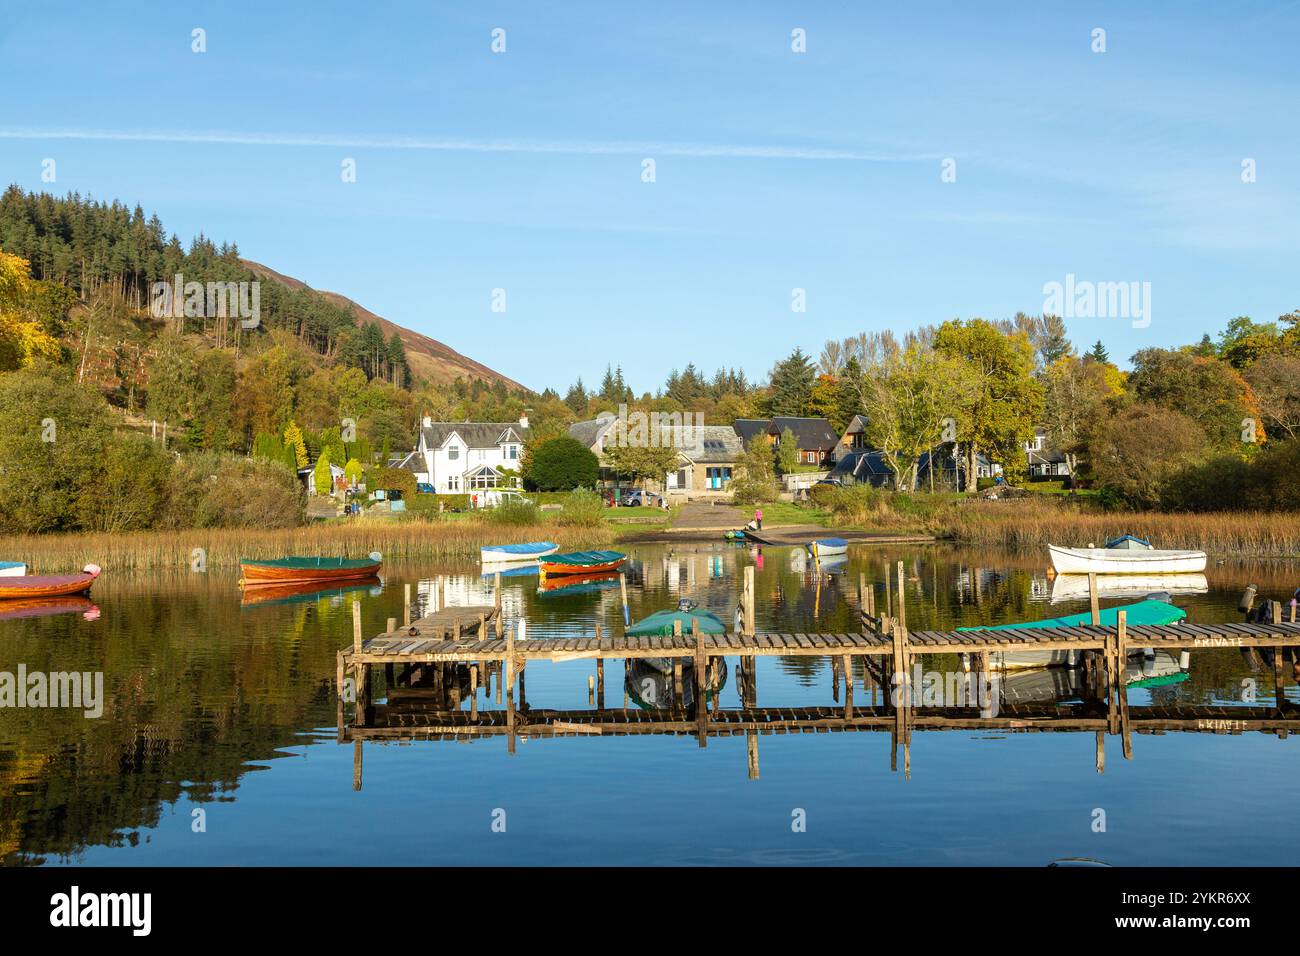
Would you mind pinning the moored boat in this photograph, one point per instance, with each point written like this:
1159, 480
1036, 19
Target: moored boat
1125, 560
48, 585
687, 615
577, 583
826, 547
525, 551
582, 562
306, 570
12, 569
1140, 613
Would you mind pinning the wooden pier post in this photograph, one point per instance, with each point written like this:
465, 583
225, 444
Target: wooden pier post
622, 590
701, 700
406, 604
1121, 688
496, 593
473, 691
1101, 752
748, 606
751, 753
1092, 598
600, 673
339, 672
510, 684
359, 669
902, 601
1279, 682
848, 687
356, 764
889, 594
388, 668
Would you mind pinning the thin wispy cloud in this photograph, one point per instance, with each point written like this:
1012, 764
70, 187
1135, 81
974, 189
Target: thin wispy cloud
463, 145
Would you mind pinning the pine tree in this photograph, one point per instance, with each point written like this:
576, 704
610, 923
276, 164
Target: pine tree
293, 440
1098, 353
321, 475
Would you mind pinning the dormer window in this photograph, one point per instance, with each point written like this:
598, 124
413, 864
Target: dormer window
453, 452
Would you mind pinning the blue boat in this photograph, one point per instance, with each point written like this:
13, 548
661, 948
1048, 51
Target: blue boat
527, 551
825, 547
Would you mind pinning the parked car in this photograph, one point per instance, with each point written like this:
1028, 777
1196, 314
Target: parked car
497, 496
829, 481
642, 499
423, 488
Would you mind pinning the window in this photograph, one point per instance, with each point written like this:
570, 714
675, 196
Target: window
453, 452
512, 452
453, 483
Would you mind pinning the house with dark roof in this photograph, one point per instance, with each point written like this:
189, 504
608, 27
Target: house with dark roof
853, 439
467, 457
814, 438
1045, 459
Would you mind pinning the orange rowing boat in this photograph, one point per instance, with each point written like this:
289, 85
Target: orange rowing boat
48, 585
307, 570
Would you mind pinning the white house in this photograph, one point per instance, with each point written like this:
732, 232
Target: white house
465, 457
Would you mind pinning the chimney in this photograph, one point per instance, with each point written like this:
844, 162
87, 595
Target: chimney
523, 419
425, 420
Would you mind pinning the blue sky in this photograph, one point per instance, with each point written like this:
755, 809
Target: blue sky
774, 170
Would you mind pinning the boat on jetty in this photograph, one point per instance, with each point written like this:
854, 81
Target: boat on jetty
582, 562
305, 570
12, 569
1126, 554
1146, 612
525, 551
48, 585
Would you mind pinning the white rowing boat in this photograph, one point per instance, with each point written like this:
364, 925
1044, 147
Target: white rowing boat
12, 569
511, 553
1125, 561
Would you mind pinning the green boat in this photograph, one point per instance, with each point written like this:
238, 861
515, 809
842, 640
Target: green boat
1147, 612
307, 570
1141, 613
582, 562
662, 623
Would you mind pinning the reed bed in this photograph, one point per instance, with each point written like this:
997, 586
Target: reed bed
222, 548
1018, 523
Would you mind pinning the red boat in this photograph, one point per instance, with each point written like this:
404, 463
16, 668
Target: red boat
48, 585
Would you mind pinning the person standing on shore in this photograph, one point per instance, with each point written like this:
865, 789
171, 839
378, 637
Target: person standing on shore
758, 519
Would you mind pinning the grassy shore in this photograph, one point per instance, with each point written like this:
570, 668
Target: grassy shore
1034, 523
51, 553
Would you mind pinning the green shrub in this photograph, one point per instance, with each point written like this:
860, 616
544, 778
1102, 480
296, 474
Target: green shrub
583, 508
562, 464
512, 512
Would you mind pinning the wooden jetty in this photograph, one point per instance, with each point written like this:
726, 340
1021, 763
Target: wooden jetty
464, 648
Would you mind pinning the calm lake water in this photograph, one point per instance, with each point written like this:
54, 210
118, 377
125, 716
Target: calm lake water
228, 708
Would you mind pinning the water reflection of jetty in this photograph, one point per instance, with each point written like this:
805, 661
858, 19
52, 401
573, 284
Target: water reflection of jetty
437, 665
